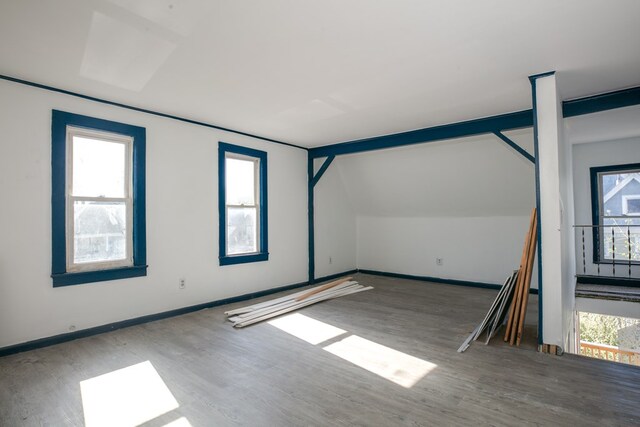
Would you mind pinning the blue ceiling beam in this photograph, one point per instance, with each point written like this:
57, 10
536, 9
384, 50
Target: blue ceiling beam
494, 124
602, 102
322, 170
520, 119
515, 146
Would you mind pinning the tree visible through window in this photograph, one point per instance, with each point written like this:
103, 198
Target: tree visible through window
242, 207
99, 193
98, 200
242, 204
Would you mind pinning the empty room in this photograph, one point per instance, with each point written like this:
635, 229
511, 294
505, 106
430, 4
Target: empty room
330, 213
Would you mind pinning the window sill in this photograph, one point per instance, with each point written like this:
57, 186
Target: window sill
243, 259
67, 279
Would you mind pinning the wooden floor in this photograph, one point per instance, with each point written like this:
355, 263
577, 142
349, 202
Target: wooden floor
263, 376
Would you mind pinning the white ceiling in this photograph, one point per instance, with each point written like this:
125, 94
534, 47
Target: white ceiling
319, 72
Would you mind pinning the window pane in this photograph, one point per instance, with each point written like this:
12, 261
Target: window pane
242, 235
633, 206
100, 231
98, 168
240, 180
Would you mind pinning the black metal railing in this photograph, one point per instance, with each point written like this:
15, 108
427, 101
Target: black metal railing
609, 250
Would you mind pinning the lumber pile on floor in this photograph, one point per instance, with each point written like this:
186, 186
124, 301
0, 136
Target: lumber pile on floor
514, 293
246, 316
515, 324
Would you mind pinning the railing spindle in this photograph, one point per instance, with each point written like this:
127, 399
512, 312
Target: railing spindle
584, 260
613, 251
629, 249
598, 248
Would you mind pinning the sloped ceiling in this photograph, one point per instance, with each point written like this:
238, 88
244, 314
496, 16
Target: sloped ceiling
467, 177
607, 125
319, 72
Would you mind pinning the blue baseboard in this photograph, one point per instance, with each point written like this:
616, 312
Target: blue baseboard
335, 276
62, 338
454, 282
58, 339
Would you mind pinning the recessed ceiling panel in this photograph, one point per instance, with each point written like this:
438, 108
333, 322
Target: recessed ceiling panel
121, 55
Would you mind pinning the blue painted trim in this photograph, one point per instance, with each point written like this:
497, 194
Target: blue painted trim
67, 279
322, 170
144, 110
454, 282
57, 339
59, 122
532, 80
336, 275
244, 259
508, 121
545, 74
263, 254
515, 146
595, 205
311, 219
62, 338
606, 101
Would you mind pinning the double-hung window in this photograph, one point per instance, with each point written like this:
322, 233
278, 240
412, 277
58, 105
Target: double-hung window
97, 200
242, 204
615, 198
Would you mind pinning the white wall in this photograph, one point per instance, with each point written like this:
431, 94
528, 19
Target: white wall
182, 221
480, 249
585, 156
335, 223
466, 200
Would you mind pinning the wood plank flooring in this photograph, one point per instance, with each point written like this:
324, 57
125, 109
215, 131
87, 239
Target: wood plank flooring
263, 376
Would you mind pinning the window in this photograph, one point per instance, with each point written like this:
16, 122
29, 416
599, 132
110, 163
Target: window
615, 194
98, 200
242, 204
631, 205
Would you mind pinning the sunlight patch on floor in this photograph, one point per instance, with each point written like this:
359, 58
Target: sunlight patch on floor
126, 397
180, 422
393, 365
307, 329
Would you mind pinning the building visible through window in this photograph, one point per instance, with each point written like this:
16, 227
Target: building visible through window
617, 213
98, 200
100, 208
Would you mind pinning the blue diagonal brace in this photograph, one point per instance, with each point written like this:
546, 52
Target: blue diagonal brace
515, 146
322, 170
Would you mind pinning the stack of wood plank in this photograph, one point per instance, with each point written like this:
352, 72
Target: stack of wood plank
246, 316
513, 294
496, 315
515, 324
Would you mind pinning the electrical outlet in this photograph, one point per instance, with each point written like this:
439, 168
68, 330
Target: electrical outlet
438, 261
182, 283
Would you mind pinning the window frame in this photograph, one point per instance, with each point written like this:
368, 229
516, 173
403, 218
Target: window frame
63, 271
261, 200
625, 205
127, 199
597, 207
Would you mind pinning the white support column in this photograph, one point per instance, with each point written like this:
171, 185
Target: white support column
554, 180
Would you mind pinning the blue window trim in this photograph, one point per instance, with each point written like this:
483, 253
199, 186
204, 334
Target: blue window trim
60, 121
263, 253
595, 203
